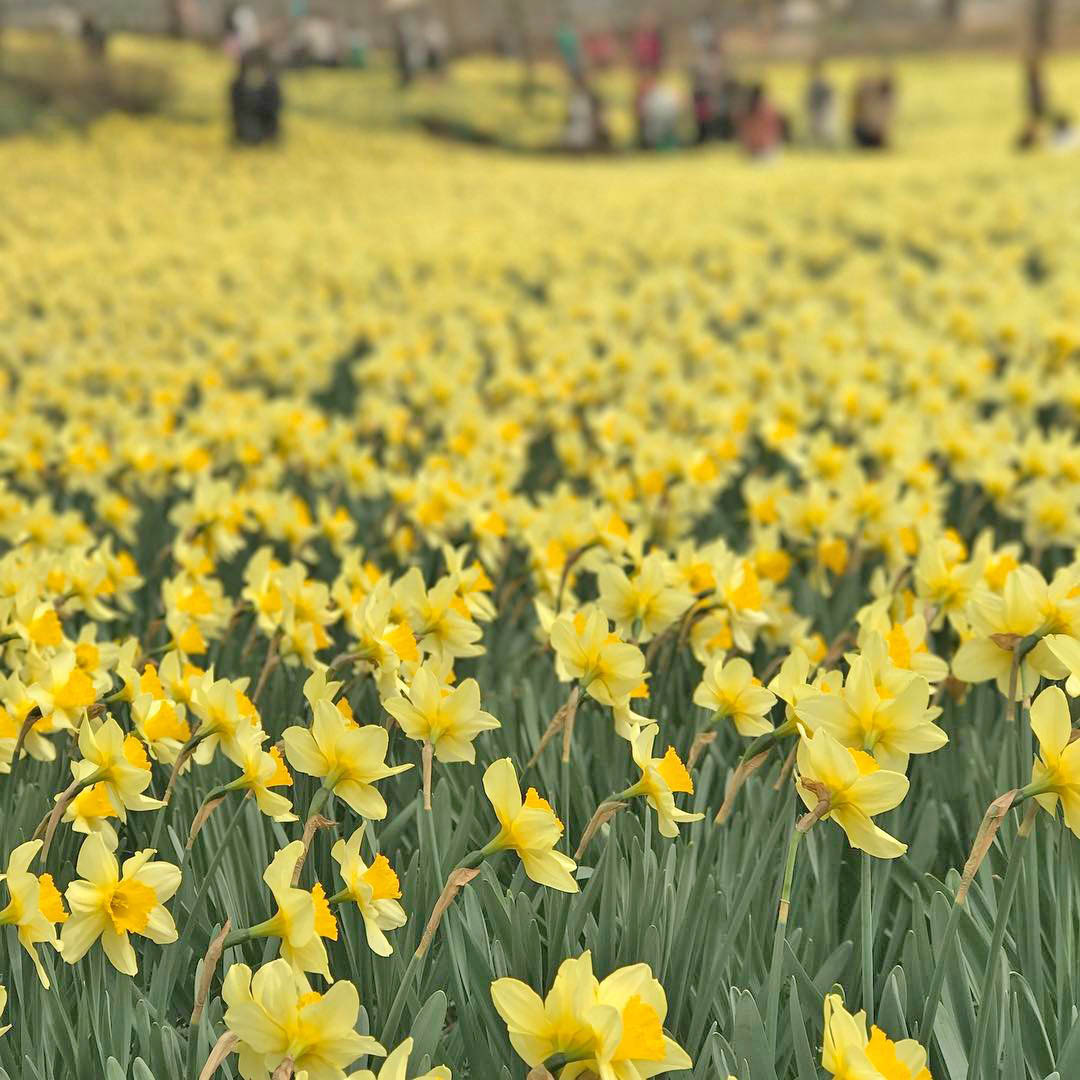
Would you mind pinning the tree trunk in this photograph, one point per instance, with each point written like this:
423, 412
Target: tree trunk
1042, 24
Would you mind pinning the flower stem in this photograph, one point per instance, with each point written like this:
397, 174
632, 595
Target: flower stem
776, 969
215, 862
944, 947
394, 1015
1001, 920
866, 908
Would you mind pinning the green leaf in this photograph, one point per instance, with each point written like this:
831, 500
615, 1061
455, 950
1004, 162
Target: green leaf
427, 1028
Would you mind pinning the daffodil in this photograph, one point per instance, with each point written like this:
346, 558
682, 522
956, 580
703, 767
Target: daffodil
394, 1067
529, 827
89, 813
374, 889
611, 1028
34, 905
161, 725
890, 718
111, 903
119, 762
1055, 776
303, 918
276, 1016
730, 690
448, 718
261, 770
999, 624
645, 604
855, 789
661, 779
607, 668
349, 759
848, 1054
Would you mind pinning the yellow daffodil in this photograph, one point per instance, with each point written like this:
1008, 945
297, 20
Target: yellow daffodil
349, 759
34, 905
607, 668
119, 762
529, 827
890, 719
661, 779
449, 718
1055, 776
374, 889
303, 918
275, 1016
848, 1054
111, 903
730, 690
855, 787
394, 1067
611, 1028
261, 770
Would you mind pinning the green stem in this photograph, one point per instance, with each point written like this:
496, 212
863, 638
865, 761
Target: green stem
1001, 921
181, 759
318, 801
215, 862
866, 909
776, 969
396, 1006
944, 952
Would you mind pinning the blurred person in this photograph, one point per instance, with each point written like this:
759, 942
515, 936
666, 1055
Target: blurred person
241, 30
256, 100
647, 45
94, 37
568, 41
586, 126
760, 125
820, 101
1063, 133
436, 39
709, 85
657, 107
872, 113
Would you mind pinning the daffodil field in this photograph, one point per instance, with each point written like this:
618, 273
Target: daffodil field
478, 615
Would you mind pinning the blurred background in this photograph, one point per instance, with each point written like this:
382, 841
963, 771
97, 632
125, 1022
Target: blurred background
579, 76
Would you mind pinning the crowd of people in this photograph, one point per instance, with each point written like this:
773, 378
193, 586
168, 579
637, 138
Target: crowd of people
723, 105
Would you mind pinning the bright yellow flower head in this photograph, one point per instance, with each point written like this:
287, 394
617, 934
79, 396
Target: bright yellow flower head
889, 717
447, 718
347, 758
111, 904
276, 1016
395, 1066
856, 787
528, 827
585, 649
612, 1027
33, 905
375, 889
848, 1054
661, 779
302, 918
730, 690
119, 762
